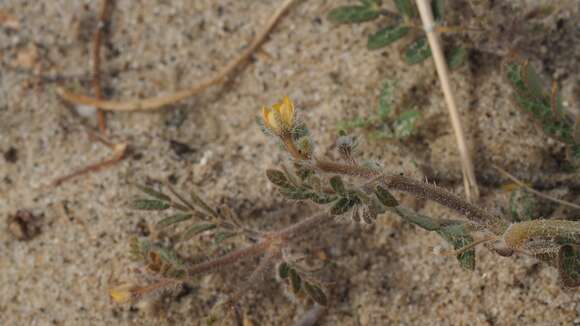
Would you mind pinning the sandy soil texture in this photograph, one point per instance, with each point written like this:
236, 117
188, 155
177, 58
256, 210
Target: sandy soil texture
381, 275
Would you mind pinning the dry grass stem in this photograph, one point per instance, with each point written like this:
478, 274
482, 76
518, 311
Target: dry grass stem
469, 180
159, 102
532, 190
119, 153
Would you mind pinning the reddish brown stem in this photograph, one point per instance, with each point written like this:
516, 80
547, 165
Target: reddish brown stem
231, 258
270, 240
119, 152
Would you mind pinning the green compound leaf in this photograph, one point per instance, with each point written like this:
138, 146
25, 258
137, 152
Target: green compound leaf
342, 206
355, 123
169, 256
279, 179
386, 99
417, 51
406, 8
547, 110
150, 205
522, 206
458, 237
454, 232
352, 14
173, 219
404, 125
283, 270
370, 3
154, 193
337, 185
296, 194
316, 294
196, 229
386, 36
222, 236
423, 221
456, 57
569, 266
385, 197
321, 199
438, 8
295, 280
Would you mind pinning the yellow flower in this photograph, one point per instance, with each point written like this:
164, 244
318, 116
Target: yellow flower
122, 293
280, 117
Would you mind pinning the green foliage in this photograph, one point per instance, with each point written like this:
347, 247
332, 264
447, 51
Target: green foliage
406, 8
316, 294
417, 51
404, 125
196, 229
523, 206
187, 209
456, 233
569, 265
404, 23
385, 197
383, 125
353, 14
343, 205
459, 237
544, 106
150, 205
278, 178
456, 57
385, 36
283, 270
337, 185
173, 219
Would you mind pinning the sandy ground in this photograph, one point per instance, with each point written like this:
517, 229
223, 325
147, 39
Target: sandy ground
383, 275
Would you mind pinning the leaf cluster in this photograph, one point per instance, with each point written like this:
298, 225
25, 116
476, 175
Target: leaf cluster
385, 124
544, 106
403, 24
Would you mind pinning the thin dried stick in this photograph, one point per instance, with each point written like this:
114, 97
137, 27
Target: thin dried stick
119, 153
469, 180
97, 62
532, 190
158, 102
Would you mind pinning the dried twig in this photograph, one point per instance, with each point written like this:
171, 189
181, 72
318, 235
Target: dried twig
119, 153
532, 190
471, 188
98, 36
158, 102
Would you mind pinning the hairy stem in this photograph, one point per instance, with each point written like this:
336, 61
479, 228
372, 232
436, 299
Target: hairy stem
419, 189
287, 234
228, 259
445, 198
257, 276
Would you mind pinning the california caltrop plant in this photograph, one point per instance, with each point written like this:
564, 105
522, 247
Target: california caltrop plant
344, 189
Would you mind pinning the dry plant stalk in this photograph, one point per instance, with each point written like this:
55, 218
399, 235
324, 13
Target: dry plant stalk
534, 191
162, 101
119, 153
469, 180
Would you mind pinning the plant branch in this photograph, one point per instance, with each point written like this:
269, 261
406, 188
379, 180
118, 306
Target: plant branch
289, 233
161, 101
419, 189
469, 180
